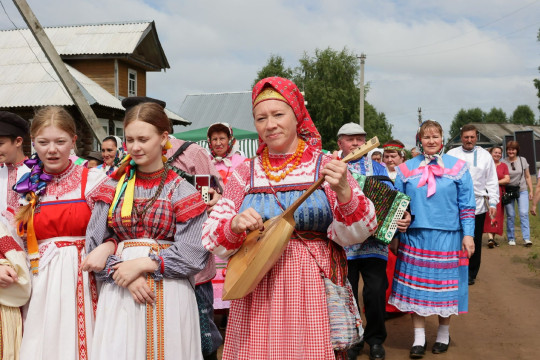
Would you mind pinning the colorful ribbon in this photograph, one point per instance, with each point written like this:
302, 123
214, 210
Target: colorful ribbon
428, 177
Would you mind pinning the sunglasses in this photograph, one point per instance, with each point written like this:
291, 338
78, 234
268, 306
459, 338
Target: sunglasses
513, 166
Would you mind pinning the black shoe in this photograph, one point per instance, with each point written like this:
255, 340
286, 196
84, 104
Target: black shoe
376, 351
471, 281
439, 348
491, 243
495, 243
212, 356
353, 352
418, 352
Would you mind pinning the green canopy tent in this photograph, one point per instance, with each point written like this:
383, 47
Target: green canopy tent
247, 140
200, 134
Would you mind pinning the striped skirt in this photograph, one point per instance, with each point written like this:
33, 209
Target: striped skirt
431, 275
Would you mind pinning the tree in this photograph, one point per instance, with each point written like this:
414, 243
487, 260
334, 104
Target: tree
274, 67
496, 116
523, 115
464, 117
330, 81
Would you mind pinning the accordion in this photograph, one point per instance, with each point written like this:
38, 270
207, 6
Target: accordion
389, 205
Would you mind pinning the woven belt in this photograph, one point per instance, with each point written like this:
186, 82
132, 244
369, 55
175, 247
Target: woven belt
81, 318
157, 286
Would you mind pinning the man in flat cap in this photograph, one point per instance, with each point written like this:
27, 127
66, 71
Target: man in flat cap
13, 129
370, 257
194, 160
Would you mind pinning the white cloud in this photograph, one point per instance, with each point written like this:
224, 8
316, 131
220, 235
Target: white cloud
438, 55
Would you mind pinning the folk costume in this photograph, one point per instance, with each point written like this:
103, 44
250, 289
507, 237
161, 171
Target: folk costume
286, 316
13, 296
369, 260
11, 125
59, 320
157, 215
120, 154
9, 199
431, 276
225, 165
496, 226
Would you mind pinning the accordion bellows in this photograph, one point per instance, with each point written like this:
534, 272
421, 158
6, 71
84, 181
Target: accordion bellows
389, 205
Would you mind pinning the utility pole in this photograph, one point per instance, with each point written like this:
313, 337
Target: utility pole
60, 68
420, 116
362, 58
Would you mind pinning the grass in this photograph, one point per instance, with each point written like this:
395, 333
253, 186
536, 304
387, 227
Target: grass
533, 255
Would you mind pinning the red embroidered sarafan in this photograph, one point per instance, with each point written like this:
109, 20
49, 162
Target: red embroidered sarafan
65, 182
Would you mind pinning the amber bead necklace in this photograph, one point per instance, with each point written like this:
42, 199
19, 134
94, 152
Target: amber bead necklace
295, 159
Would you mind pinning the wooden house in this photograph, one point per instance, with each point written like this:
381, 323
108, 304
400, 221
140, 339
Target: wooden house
108, 61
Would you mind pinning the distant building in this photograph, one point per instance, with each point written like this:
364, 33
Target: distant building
108, 61
492, 134
234, 108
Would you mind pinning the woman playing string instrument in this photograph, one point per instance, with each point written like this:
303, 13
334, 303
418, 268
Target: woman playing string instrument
286, 316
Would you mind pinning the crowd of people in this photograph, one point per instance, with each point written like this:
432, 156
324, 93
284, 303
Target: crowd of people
123, 254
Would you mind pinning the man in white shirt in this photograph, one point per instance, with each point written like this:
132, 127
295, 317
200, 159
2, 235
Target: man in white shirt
486, 187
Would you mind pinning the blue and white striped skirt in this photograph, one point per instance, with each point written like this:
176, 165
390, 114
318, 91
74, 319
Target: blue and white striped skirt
431, 274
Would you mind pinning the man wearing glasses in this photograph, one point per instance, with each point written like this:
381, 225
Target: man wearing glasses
486, 186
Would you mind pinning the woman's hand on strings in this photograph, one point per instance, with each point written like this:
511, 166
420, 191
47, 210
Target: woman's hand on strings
247, 220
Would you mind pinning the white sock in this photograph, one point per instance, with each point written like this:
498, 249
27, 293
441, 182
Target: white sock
419, 336
443, 334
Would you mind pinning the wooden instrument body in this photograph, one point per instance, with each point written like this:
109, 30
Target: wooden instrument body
261, 250
257, 256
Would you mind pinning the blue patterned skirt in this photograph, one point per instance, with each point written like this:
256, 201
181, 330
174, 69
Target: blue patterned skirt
431, 275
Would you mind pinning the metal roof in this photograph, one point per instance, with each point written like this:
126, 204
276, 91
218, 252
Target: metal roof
28, 80
205, 109
494, 133
121, 38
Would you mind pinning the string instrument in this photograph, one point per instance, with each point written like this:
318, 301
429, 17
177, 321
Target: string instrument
262, 249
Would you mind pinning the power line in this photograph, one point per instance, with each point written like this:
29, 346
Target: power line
465, 46
456, 36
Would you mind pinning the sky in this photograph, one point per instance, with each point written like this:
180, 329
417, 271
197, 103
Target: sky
436, 55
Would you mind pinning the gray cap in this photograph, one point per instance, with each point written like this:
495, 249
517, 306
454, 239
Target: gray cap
351, 129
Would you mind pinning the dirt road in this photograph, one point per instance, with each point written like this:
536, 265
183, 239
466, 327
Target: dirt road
504, 314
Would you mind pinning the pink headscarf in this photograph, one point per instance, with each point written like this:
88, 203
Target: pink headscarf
305, 128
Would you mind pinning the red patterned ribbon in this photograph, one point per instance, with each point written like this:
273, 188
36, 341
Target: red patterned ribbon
81, 318
157, 286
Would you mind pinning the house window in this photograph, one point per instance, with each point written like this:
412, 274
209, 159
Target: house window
119, 129
132, 82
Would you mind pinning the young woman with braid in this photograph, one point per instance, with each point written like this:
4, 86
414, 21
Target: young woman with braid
60, 316
145, 244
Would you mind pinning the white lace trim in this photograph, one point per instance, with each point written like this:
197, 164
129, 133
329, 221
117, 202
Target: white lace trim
422, 310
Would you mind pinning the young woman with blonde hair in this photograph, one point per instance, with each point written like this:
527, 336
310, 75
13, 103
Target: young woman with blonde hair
60, 315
